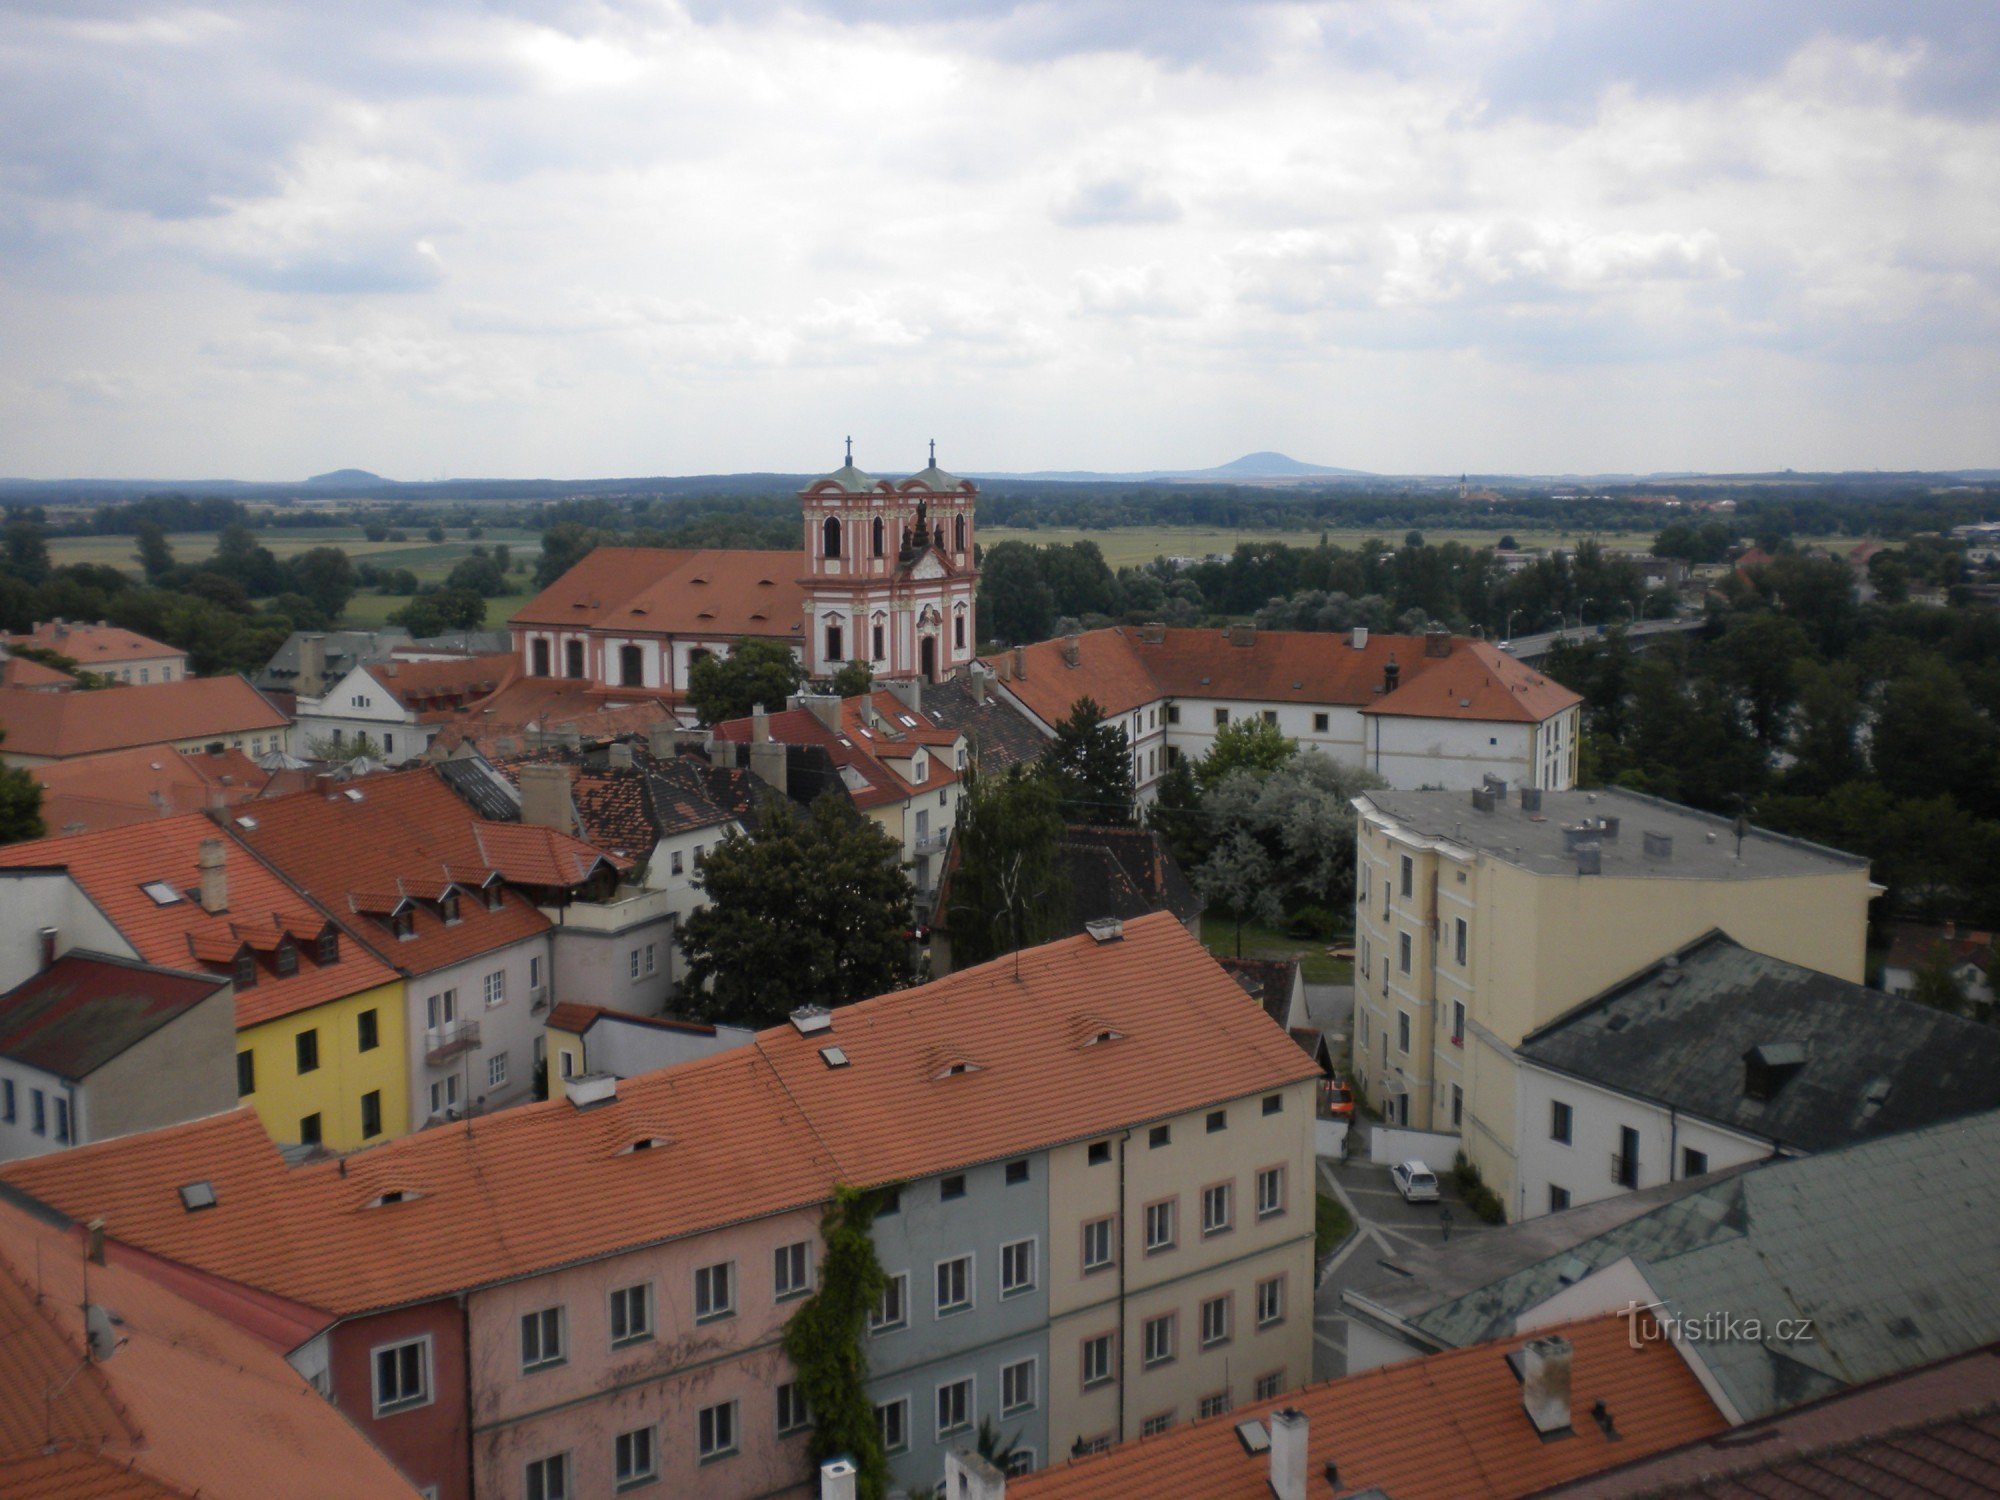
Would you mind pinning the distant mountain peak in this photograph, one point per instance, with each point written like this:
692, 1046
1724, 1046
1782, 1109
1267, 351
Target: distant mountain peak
348, 476
1269, 465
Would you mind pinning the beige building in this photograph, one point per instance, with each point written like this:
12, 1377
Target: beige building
1479, 919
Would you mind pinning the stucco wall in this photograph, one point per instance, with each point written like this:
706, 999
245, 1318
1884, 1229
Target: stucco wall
511, 1027
334, 1089
183, 1071
428, 1442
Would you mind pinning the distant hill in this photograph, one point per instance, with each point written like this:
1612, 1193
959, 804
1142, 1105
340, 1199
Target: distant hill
1272, 466
349, 477
1251, 468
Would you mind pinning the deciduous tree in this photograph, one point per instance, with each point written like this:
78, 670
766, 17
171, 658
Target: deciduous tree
757, 673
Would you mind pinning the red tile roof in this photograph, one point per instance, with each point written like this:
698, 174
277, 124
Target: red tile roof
1449, 1426
187, 1404
1911, 943
82, 1011
752, 1131
437, 689
547, 704
654, 591
59, 725
879, 751
89, 645
1122, 671
113, 867
147, 782
19, 672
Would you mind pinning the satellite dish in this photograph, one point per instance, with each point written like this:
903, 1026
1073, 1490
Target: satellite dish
100, 1328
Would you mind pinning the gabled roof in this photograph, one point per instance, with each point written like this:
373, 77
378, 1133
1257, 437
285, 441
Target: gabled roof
89, 645
877, 738
1911, 943
435, 689
114, 868
85, 1009
1677, 1032
57, 725
146, 782
997, 734
20, 672
343, 649
627, 809
1450, 1427
500, 726
1268, 981
187, 1404
652, 591
764, 1128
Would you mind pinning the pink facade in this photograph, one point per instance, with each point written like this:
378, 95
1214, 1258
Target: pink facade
661, 1381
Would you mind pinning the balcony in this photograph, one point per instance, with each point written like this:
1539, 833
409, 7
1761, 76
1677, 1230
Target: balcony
1624, 1170
443, 1043
931, 843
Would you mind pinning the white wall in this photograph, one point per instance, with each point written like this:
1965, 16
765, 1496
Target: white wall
358, 705
18, 1136
33, 899
511, 1027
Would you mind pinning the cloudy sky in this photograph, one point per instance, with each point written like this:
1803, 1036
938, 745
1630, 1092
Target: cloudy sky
595, 237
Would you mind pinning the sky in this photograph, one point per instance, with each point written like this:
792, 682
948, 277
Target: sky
573, 238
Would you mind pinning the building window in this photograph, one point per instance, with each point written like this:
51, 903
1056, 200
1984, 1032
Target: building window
1409, 868
952, 1187
496, 988
326, 948
1558, 1199
632, 1459
1215, 1208
715, 1292
879, 643
954, 1285
958, 626
631, 1314
1274, 1104
1173, 713
793, 1415
1097, 1245
1017, 1387
1268, 1386
1460, 932
1625, 1165
371, 1114
830, 536
1319, 723
1095, 1361
892, 1425
1218, 1119
1271, 1302
651, 957
833, 640
246, 1080
1270, 1192
715, 1431
791, 1272
1458, 1023
1017, 1171
306, 1044
1159, 1340
1457, 1106
573, 658
367, 1032
1402, 1031
309, 1131
1158, 1136
1221, 717
7, 1091
1693, 1163
1215, 1322
62, 1121
1099, 1153
1271, 717
1213, 1406
633, 962
1017, 1268
402, 1376
1156, 1424
496, 1070
1560, 1121
1405, 951
958, 538
892, 1308
541, 1339
954, 1406
1159, 1226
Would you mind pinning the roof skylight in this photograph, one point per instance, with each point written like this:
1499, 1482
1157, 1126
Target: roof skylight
196, 1195
162, 893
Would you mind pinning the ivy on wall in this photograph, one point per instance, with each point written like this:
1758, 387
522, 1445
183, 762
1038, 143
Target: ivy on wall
825, 1341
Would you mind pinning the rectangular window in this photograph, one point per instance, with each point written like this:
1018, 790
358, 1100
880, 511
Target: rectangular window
1221, 717
892, 1308
62, 1119
496, 988
892, 1425
1271, 717
1402, 1031
632, 960
1099, 1153
1156, 1424
1017, 1171
1268, 1386
1158, 1136
367, 1032
496, 1070
1095, 1361
1405, 951
1017, 1387
1460, 935
1097, 1245
1214, 1322
306, 1044
371, 1114
1560, 1121
541, 1339
1218, 1120
715, 1292
954, 1285
954, 1406
1159, 1340
952, 1187
793, 1415
1213, 1406
1319, 723
309, 1131
1458, 1023
1457, 1106
1173, 713
246, 1079
631, 1314
1271, 1302
1693, 1162
1558, 1199
651, 957
1409, 869
791, 1270
1274, 1104
1625, 1165
548, 1478
679, 864
1017, 1268
715, 1431
1215, 1208
402, 1376
632, 1458
1270, 1192
1159, 1226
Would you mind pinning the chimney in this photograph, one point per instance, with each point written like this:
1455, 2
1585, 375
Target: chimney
660, 740
586, 1089
1482, 798
768, 763
1531, 799
1545, 1367
837, 1479
1590, 859
1242, 635
545, 797
619, 755
976, 680
1437, 643
1288, 1454
825, 707
1020, 663
1153, 633
1072, 650
870, 715
1359, 639
1659, 845
760, 725
1607, 828
48, 937
570, 737
93, 1243
1497, 787
1391, 674
1105, 929
311, 681
909, 692
969, 1475
214, 877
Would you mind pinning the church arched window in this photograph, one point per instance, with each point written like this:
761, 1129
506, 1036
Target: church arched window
958, 630
959, 534
832, 534
878, 536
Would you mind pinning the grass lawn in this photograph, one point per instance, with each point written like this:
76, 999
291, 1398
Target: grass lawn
1259, 941
429, 560
1331, 1224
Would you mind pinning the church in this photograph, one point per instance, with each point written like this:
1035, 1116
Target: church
886, 574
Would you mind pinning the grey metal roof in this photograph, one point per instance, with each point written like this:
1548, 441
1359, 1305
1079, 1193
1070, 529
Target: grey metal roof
1861, 1063
345, 650
1891, 1248
848, 478
1704, 845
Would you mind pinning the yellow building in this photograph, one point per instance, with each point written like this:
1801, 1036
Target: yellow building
334, 1072
1479, 918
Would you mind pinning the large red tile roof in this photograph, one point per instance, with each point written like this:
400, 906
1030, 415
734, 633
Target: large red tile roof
57, 725
89, 645
143, 783
1448, 1427
436, 689
1122, 670
187, 1404
547, 704
876, 735
114, 867
654, 591
20, 672
749, 1132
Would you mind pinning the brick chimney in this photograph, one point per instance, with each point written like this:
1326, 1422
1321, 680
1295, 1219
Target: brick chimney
1545, 1372
545, 797
760, 725
976, 680
1242, 634
214, 876
1020, 663
1072, 650
1153, 633
1437, 643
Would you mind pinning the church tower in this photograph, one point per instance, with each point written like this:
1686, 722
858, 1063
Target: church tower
890, 572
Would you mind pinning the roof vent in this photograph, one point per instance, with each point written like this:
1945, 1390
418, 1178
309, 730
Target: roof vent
391, 1198
1482, 798
1359, 639
1607, 829
161, 893
246, 821
1874, 1097
196, 1195
587, 1089
833, 1057
1531, 799
810, 1018
644, 1143
1105, 930
1769, 1066
1573, 1269
1590, 859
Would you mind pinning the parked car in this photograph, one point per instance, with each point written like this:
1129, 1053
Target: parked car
1415, 1181
1339, 1099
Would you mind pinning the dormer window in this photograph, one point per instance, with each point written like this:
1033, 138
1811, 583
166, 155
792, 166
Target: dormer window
244, 971
286, 959
448, 906
391, 1198
493, 894
327, 949
404, 923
